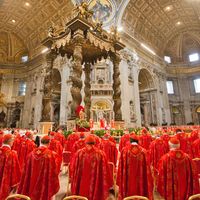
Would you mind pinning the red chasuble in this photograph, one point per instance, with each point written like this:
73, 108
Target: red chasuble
134, 175
157, 149
55, 145
165, 138
145, 140
125, 140
71, 139
91, 174
1, 140
60, 137
78, 145
17, 142
40, 177
196, 148
177, 178
185, 144
10, 173
110, 150
26, 147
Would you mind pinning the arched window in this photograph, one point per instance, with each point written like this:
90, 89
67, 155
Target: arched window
22, 88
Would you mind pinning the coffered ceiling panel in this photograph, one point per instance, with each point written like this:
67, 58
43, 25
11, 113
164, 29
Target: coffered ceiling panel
157, 22
30, 19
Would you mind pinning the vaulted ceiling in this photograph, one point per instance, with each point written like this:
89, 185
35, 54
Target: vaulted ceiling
170, 27
167, 26
32, 18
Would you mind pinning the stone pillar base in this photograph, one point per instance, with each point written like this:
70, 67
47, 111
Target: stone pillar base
71, 125
45, 127
119, 125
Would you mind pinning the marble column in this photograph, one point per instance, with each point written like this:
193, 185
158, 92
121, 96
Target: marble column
116, 88
125, 97
87, 98
167, 117
47, 107
76, 79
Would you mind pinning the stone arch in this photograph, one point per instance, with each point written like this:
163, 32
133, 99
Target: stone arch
145, 79
177, 115
197, 114
147, 91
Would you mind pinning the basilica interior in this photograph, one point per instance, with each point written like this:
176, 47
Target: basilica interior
136, 62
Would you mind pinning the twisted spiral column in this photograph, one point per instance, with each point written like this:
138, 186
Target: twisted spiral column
47, 109
116, 88
87, 98
76, 79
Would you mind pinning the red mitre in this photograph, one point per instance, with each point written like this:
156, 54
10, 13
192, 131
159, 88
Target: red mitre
90, 139
79, 109
52, 133
7, 137
106, 135
45, 139
134, 137
82, 135
28, 134
174, 141
144, 131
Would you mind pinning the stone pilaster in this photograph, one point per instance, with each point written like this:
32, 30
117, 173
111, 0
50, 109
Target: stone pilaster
64, 93
137, 95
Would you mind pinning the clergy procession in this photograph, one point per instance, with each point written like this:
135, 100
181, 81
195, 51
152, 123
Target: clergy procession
166, 162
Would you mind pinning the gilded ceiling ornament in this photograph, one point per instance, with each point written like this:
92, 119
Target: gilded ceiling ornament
114, 33
83, 11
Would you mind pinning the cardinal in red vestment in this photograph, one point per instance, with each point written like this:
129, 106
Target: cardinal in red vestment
71, 139
1, 138
125, 140
185, 144
17, 142
80, 143
40, 177
25, 147
196, 148
177, 177
134, 174
109, 148
194, 135
145, 139
60, 137
157, 149
90, 172
165, 137
55, 145
10, 173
